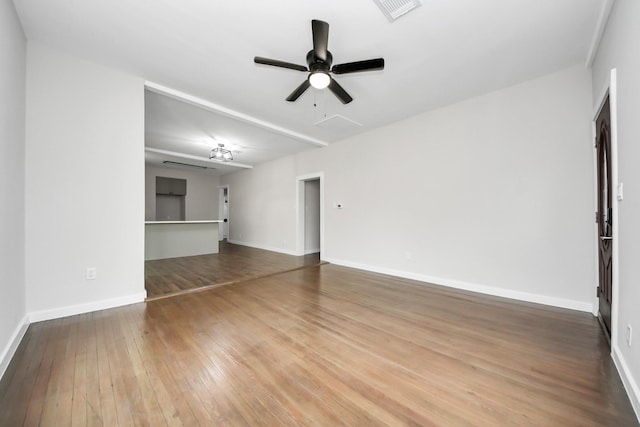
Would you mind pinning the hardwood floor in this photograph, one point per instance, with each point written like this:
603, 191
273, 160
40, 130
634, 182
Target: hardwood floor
321, 345
234, 263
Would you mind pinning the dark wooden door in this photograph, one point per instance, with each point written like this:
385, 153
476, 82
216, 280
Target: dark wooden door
605, 215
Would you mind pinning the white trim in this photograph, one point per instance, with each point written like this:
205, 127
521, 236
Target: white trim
473, 287
204, 221
198, 158
596, 239
216, 108
615, 279
10, 350
630, 385
601, 25
72, 310
263, 247
221, 212
312, 251
300, 203
609, 89
604, 93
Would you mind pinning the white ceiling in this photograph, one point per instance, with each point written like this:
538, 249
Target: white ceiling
442, 52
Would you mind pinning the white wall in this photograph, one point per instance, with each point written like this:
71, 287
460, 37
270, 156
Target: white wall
84, 185
492, 194
619, 49
201, 201
262, 206
12, 119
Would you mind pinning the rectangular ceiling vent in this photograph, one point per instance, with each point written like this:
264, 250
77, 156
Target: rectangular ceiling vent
394, 9
185, 165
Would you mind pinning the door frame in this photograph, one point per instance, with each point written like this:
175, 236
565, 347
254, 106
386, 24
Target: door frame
300, 210
221, 211
610, 90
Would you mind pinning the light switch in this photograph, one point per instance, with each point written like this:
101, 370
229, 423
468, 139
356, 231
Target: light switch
92, 273
620, 192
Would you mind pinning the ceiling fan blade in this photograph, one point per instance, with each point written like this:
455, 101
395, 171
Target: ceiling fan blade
338, 91
355, 67
276, 63
299, 91
320, 38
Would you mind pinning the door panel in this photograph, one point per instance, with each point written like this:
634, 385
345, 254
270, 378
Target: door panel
605, 215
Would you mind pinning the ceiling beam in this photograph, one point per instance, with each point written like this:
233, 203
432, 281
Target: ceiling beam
198, 158
207, 105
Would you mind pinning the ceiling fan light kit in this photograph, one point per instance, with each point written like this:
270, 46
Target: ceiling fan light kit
319, 66
319, 79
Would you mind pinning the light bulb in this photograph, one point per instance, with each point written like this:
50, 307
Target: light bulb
319, 79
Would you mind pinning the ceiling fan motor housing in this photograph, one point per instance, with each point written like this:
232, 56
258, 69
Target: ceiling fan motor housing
317, 64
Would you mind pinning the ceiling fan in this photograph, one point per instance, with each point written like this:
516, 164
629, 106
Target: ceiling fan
319, 61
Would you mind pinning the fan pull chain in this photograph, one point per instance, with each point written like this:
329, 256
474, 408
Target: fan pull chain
315, 107
324, 101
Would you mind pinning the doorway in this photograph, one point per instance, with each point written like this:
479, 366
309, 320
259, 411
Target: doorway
223, 212
312, 216
608, 193
604, 215
310, 207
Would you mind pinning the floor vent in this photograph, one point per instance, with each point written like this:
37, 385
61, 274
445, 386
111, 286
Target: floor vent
394, 9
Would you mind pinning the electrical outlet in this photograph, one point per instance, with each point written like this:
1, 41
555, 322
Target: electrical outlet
629, 335
92, 273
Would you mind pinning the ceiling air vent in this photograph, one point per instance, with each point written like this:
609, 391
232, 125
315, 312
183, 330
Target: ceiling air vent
184, 165
394, 9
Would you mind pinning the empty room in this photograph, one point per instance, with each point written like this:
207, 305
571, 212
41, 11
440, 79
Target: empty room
411, 212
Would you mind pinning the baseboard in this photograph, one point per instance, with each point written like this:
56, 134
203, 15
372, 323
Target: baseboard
266, 248
12, 345
312, 251
630, 384
473, 287
72, 310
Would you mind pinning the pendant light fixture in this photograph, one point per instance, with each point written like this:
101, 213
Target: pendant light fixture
221, 154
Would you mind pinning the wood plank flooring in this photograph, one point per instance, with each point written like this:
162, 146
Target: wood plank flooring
234, 263
321, 345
